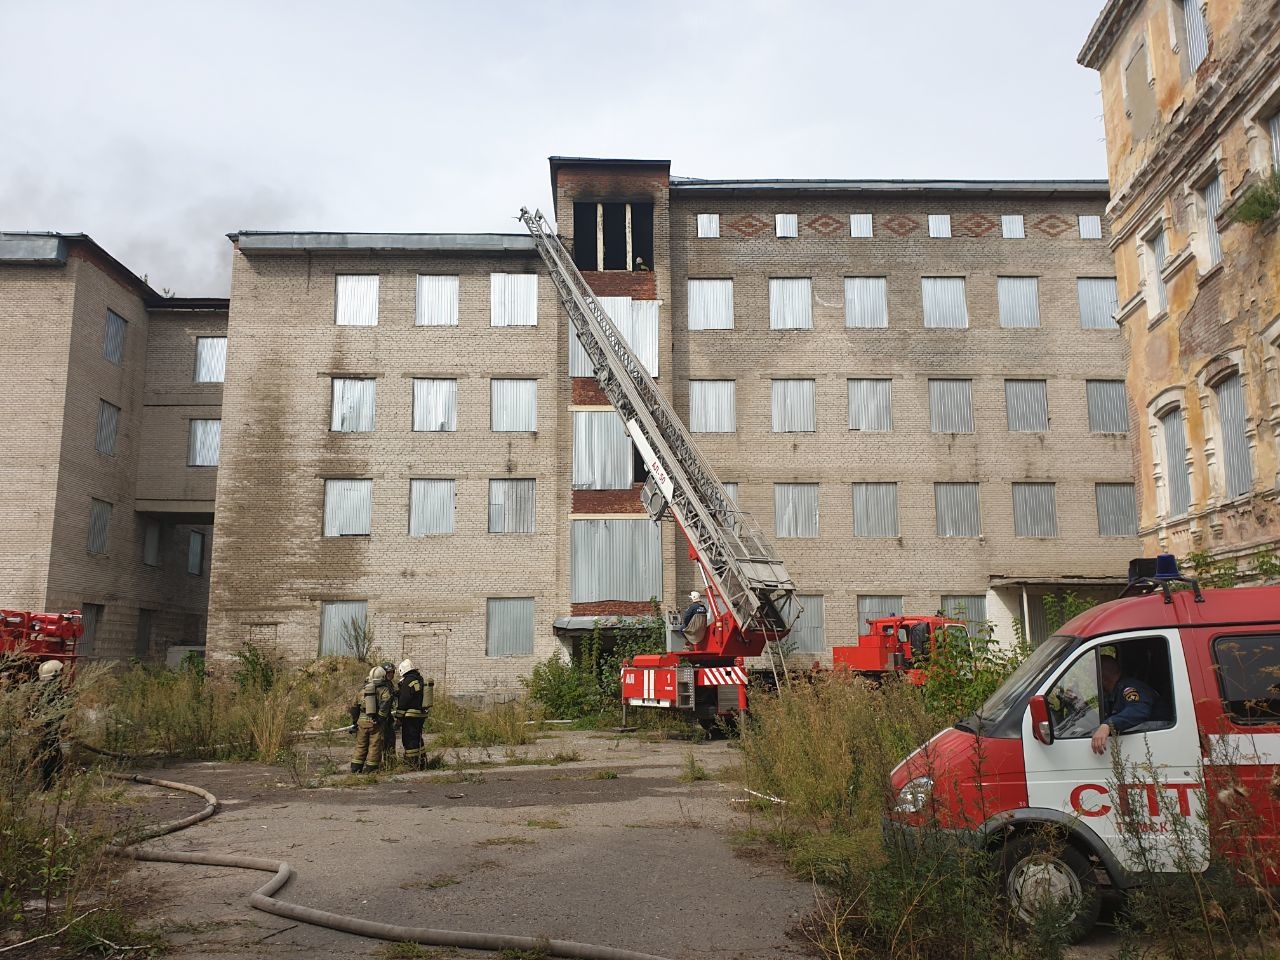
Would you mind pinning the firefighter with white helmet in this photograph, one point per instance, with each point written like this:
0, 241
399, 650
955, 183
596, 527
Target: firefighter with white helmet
373, 716
414, 699
694, 623
50, 709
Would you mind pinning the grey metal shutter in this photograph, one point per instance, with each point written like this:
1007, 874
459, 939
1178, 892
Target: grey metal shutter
1212, 195
1197, 33
513, 300
871, 405
579, 363
108, 422
508, 627
710, 304
950, 406
1013, 227
1108, 406
151, 543
944, 303
641, 333
940, 225
341, 621
708, 225
873, 607
971, 608
437, 301
602, 451
1019, 301
1236, 463
91, 617
356, 301
1273, 130
1178, 478
731, 489
809, 632
875, 510
99, 522
1159, 253
795, 508
195, 553
860, 225
1117, 509
786, 224
615, 560
790, 303
1097, 296
435, 405
1035, 510
211, 359
712, 406
1090, 226
206, 438
348, 507
513, 405
352, 405
956, 507
113, 344
430, 507
866, 302
793, 406
512, 506
1027, 405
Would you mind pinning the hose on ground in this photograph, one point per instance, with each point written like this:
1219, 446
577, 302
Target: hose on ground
264, 897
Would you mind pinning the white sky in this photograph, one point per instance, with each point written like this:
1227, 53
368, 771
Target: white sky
158, 127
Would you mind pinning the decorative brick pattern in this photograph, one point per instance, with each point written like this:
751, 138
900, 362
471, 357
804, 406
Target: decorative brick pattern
972, 225
750, 225
901, 225
825, 225
1053, 225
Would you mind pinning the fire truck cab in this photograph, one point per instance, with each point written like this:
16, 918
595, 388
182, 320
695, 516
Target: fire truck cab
1021, 778
895, 645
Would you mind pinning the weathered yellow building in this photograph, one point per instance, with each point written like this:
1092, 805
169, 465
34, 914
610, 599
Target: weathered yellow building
1191, 102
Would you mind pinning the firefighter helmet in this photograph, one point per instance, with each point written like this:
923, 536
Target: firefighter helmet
50, 670
377, 675
405, 666
694, 595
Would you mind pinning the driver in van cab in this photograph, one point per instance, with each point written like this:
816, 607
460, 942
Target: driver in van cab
1126, 702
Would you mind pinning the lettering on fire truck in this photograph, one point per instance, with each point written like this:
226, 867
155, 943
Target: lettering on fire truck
1089, 799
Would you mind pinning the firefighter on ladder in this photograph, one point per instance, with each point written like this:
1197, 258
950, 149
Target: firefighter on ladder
413, 701
372, 716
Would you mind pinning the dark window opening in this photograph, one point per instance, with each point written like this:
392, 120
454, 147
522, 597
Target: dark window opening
1249, 676
642, 234
584, 236
639, 472
623, 249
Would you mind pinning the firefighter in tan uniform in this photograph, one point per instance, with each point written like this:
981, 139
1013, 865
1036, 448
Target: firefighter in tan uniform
372, 721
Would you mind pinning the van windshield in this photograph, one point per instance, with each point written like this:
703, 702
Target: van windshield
1001, 715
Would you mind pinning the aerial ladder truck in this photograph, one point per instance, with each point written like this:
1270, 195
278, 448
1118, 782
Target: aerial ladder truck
749, 595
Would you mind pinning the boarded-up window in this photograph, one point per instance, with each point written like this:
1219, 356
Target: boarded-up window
342, 626
430, 507
348, 508
636, 322
1012, 226
113, 342
940, 225
602, 452
1139, 97
437, 301
860, 225
1027, 405
615, 560
793, 406
195, 553
211, 359
1090, 225
513, 405
1236, 463
1155, 252
512, 506
786, 224
957, 509
1019, 299
866, 302
712, 406
871, 607
871, 405
875, 510
151, 542
971, 608
356, 301
1273, 131
1177, 473
790, 303
1196, 32
435, 405
1108, 406
944, 303
731, 489
950, 406
809, 632
795, 507
99, 522
508, 627
708, 225
203, 444
1035, 510
91, 617
108, 423
352, 406
1098, 304
142, 639
710, 304
1211, 198
1117, 509
513, 299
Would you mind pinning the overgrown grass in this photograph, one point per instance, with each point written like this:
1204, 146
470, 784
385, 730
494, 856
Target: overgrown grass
508, 724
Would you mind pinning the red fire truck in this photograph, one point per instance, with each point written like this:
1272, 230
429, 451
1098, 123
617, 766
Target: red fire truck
1022, 776
896, 645
29, 639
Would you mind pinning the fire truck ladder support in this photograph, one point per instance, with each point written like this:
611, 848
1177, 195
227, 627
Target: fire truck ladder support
731, 549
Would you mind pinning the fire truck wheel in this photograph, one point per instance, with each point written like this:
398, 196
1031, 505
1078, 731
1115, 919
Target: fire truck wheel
1041, 874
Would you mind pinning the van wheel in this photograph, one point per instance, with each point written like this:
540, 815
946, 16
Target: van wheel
1040, 877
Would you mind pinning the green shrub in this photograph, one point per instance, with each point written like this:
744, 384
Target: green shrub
567, 691
963, 671
1260, 202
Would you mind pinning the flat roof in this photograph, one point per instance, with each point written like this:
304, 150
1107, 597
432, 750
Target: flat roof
1044, 188
53, 248
268, 241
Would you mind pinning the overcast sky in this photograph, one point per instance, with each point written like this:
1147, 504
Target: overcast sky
158, 127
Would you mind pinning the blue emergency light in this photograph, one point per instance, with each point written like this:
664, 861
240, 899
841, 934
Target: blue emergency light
1147, 574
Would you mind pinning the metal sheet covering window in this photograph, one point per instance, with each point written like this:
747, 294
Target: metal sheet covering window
108, 422
871, 405
712, 406
732, 490
1090, 226
1273, 131
790, 303
1035, 510
950, 406
1211, 197
971, 608
195, 553
637, 323
435, 405
1108, 406
708, 226
940, 225
873, 607
151, 542
602, 452
352, 405
513, 300
710, 304
795, 509
508, 627
1013, 227
512, 506
875, 510
615, 560
1098, 305
341, 623
793, 406
860, 226
809, 632
513, 405
99, 523
430, 507
113, 341
786, 224
437, 301
356, 300
1197, 33
1177, 474
944, 303
1027, 405
866, 302
211, 359
957, 508
91, 615
1236, 464
1117, 509
1019, 300
348, 508
203, 444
